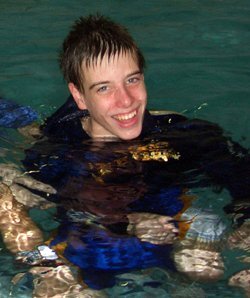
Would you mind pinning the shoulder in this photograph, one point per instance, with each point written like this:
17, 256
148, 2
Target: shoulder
156, 120
65, 123
167, 117
167, 123
175, 119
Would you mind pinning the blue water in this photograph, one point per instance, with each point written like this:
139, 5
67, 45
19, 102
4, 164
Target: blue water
197, 52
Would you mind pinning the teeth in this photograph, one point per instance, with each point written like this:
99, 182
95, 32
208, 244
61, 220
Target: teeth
125, 116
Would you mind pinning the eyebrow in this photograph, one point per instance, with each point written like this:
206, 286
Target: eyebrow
106, 82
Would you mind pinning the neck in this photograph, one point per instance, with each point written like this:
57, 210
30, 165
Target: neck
88, 128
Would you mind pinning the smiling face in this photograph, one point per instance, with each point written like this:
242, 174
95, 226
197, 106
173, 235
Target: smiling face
115, 96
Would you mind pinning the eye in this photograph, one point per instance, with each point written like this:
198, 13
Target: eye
102, 89
134, 79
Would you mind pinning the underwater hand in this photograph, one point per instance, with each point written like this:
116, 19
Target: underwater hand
19, 183
153, 228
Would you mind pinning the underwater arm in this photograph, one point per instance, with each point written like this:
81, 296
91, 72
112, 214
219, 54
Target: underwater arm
21, 184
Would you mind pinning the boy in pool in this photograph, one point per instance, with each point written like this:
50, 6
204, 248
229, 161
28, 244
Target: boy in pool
104, 71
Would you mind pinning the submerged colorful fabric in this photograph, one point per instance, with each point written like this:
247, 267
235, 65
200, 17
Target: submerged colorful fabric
13, 115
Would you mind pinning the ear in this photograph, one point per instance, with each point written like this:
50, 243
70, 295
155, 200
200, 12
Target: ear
78, 96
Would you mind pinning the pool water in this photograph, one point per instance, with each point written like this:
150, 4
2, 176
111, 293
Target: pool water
198, 63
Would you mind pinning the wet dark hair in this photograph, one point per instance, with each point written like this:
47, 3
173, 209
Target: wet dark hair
91, 38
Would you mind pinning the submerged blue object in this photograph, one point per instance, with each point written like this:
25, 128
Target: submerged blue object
13, 115
102, 255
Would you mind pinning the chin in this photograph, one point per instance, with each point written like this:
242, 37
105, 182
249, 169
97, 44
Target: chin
130, 136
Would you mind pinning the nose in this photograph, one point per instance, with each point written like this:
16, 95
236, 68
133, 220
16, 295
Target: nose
124, 98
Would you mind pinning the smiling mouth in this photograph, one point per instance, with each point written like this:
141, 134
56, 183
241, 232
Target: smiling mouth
125, 117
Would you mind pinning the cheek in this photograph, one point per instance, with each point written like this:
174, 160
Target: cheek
101, 107
142, 94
